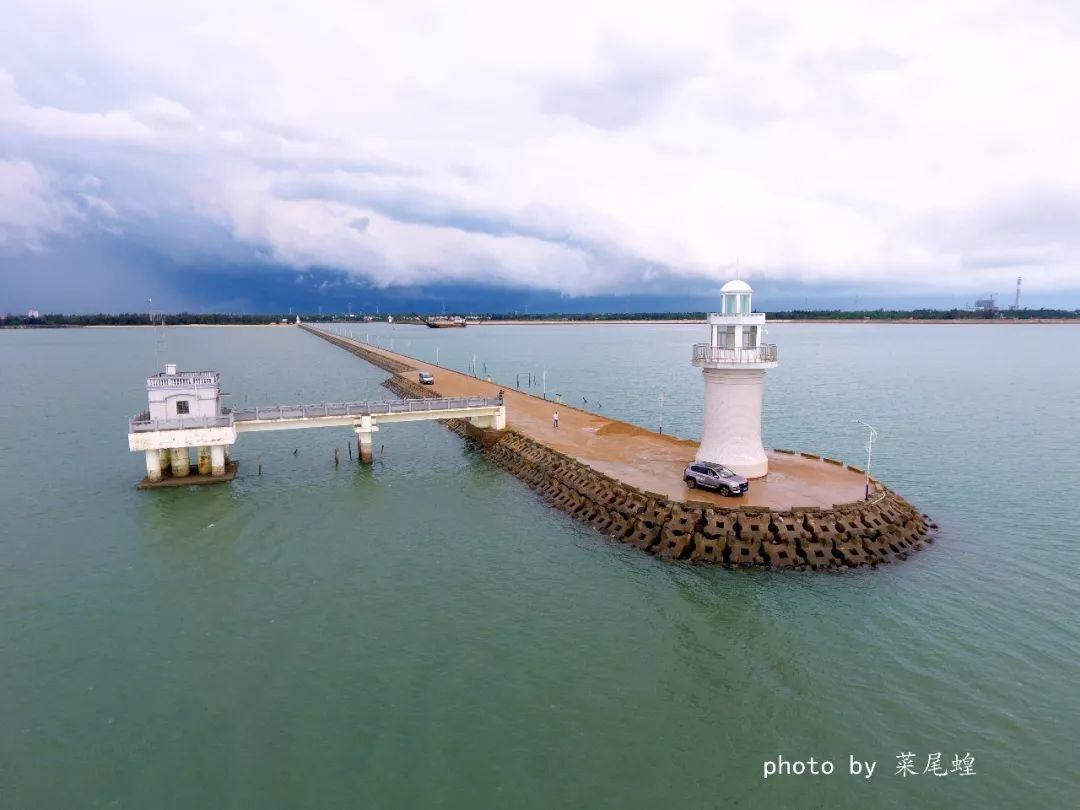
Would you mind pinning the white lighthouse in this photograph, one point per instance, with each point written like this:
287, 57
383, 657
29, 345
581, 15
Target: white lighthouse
733, 363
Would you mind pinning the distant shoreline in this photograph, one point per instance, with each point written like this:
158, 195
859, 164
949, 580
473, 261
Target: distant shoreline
852, 321
595, 322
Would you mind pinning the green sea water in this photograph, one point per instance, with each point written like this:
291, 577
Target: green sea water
427, 632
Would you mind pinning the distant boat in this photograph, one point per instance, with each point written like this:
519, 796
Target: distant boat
444, 322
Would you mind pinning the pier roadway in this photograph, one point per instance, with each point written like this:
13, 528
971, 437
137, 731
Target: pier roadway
639, 457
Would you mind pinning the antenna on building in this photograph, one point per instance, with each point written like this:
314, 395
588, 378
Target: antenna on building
157, 321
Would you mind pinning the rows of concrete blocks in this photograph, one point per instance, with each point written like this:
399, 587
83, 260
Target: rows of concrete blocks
846, 536
851, 535
813, 538
375, 358
176, 462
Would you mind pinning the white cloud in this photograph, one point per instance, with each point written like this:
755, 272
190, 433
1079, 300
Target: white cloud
579, 148
30, 210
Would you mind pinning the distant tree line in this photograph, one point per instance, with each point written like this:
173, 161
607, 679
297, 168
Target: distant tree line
217, 318
144, 319
920, 314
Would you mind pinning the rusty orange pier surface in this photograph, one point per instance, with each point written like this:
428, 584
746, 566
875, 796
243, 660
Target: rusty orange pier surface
641, 458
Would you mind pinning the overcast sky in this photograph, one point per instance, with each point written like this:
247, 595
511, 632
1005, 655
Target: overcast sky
573, 149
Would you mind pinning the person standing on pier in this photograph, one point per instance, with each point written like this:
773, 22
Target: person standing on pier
555, 419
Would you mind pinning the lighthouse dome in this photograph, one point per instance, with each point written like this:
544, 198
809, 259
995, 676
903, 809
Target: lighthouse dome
736, 286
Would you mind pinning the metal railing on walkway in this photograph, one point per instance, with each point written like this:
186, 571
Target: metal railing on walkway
328, 409
184, 379
143, 423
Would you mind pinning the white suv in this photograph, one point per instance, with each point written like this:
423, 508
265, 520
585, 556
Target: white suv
709, 475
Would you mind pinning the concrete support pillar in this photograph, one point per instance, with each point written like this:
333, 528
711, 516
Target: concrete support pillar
364, 443
365, 429
217, 460
153, 465
180, 462
204, 460
164, 460
496, 421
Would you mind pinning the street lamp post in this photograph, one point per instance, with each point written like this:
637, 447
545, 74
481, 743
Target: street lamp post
869, 455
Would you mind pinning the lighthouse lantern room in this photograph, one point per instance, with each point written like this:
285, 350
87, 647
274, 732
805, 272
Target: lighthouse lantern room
733, 364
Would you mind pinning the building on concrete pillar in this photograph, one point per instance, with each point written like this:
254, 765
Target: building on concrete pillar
186, 425
184, 412
733, 364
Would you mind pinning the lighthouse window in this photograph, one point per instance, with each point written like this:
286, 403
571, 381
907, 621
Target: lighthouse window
744, 306
182, 406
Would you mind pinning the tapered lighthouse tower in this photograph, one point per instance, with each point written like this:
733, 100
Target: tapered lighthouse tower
733, 363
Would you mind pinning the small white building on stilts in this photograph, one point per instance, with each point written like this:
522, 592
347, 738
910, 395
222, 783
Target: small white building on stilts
186, 414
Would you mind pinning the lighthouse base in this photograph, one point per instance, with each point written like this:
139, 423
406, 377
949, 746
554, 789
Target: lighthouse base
732, 431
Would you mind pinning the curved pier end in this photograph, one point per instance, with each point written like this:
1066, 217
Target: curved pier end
626, 482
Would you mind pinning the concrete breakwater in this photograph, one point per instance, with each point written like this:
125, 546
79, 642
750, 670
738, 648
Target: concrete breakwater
852, 534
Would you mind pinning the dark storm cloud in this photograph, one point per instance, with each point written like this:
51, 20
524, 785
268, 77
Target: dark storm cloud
611, 147
416, 206
1033, 229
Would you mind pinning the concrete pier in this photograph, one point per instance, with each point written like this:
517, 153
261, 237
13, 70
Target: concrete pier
642, 458
627, 482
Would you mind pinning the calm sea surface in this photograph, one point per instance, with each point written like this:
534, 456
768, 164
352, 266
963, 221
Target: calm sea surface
427, 632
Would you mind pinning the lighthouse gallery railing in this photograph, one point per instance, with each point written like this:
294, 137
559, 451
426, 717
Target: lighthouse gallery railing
705, 353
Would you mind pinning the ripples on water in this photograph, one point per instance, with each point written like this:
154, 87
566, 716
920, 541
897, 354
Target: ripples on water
428, 632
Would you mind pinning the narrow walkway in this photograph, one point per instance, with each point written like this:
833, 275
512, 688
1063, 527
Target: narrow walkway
640, 457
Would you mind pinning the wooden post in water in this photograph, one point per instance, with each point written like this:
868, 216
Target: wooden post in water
337, 457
